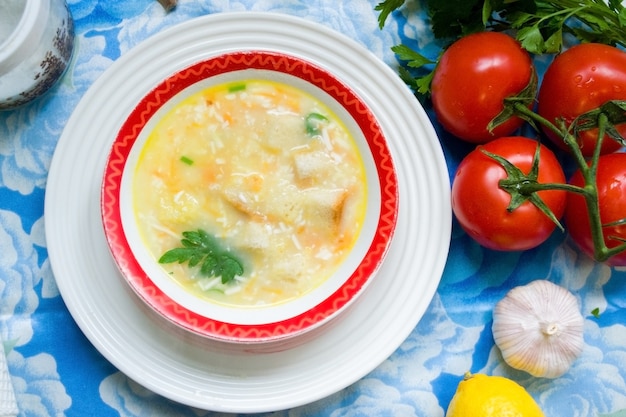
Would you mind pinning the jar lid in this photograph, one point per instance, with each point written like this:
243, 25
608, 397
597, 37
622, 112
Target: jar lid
26, 36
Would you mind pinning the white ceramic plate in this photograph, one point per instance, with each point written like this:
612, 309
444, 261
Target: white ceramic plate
209, 374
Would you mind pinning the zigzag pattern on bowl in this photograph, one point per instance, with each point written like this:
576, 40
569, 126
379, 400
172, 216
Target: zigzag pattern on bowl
165, 91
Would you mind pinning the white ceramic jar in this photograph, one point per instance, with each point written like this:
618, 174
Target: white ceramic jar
36, 44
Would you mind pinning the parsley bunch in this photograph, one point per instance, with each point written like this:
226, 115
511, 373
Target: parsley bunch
539, 25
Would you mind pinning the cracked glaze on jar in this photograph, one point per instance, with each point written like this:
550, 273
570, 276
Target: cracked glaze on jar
36, 44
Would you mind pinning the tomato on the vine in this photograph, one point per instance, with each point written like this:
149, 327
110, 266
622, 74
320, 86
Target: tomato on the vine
480, 204
611, 185
579, 80
472, 79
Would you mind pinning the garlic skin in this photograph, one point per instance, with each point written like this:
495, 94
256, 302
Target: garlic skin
539, 328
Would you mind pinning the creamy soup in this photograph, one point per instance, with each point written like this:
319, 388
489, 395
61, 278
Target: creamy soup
268, 171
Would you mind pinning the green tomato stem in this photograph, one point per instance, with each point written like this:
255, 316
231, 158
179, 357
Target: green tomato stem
527, 188
601, 251
588, 170
589, 173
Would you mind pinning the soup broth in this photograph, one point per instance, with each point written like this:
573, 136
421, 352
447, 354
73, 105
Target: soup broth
269, 171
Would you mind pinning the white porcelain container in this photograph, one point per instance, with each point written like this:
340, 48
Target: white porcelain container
36, 44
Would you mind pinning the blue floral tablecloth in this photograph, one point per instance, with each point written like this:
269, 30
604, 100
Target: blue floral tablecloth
55, 370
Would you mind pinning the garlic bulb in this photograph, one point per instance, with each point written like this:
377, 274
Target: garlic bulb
539, 328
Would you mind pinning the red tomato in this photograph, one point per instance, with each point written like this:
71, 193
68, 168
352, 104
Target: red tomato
480, 205
579, 80
473, 77
611, 183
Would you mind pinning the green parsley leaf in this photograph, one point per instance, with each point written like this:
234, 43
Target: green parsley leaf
531, 39
202, 249
385, 8
596, 312
413, 58
621, 14
454, 18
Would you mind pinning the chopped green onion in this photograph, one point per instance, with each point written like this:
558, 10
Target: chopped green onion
236, 87
186, 160
313, 123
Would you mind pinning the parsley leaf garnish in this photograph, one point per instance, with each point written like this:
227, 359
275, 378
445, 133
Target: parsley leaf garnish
202, 249
385, 8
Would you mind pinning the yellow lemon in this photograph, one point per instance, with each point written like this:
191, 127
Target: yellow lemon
480, 395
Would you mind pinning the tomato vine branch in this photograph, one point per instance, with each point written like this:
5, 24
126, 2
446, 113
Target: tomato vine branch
588, 171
